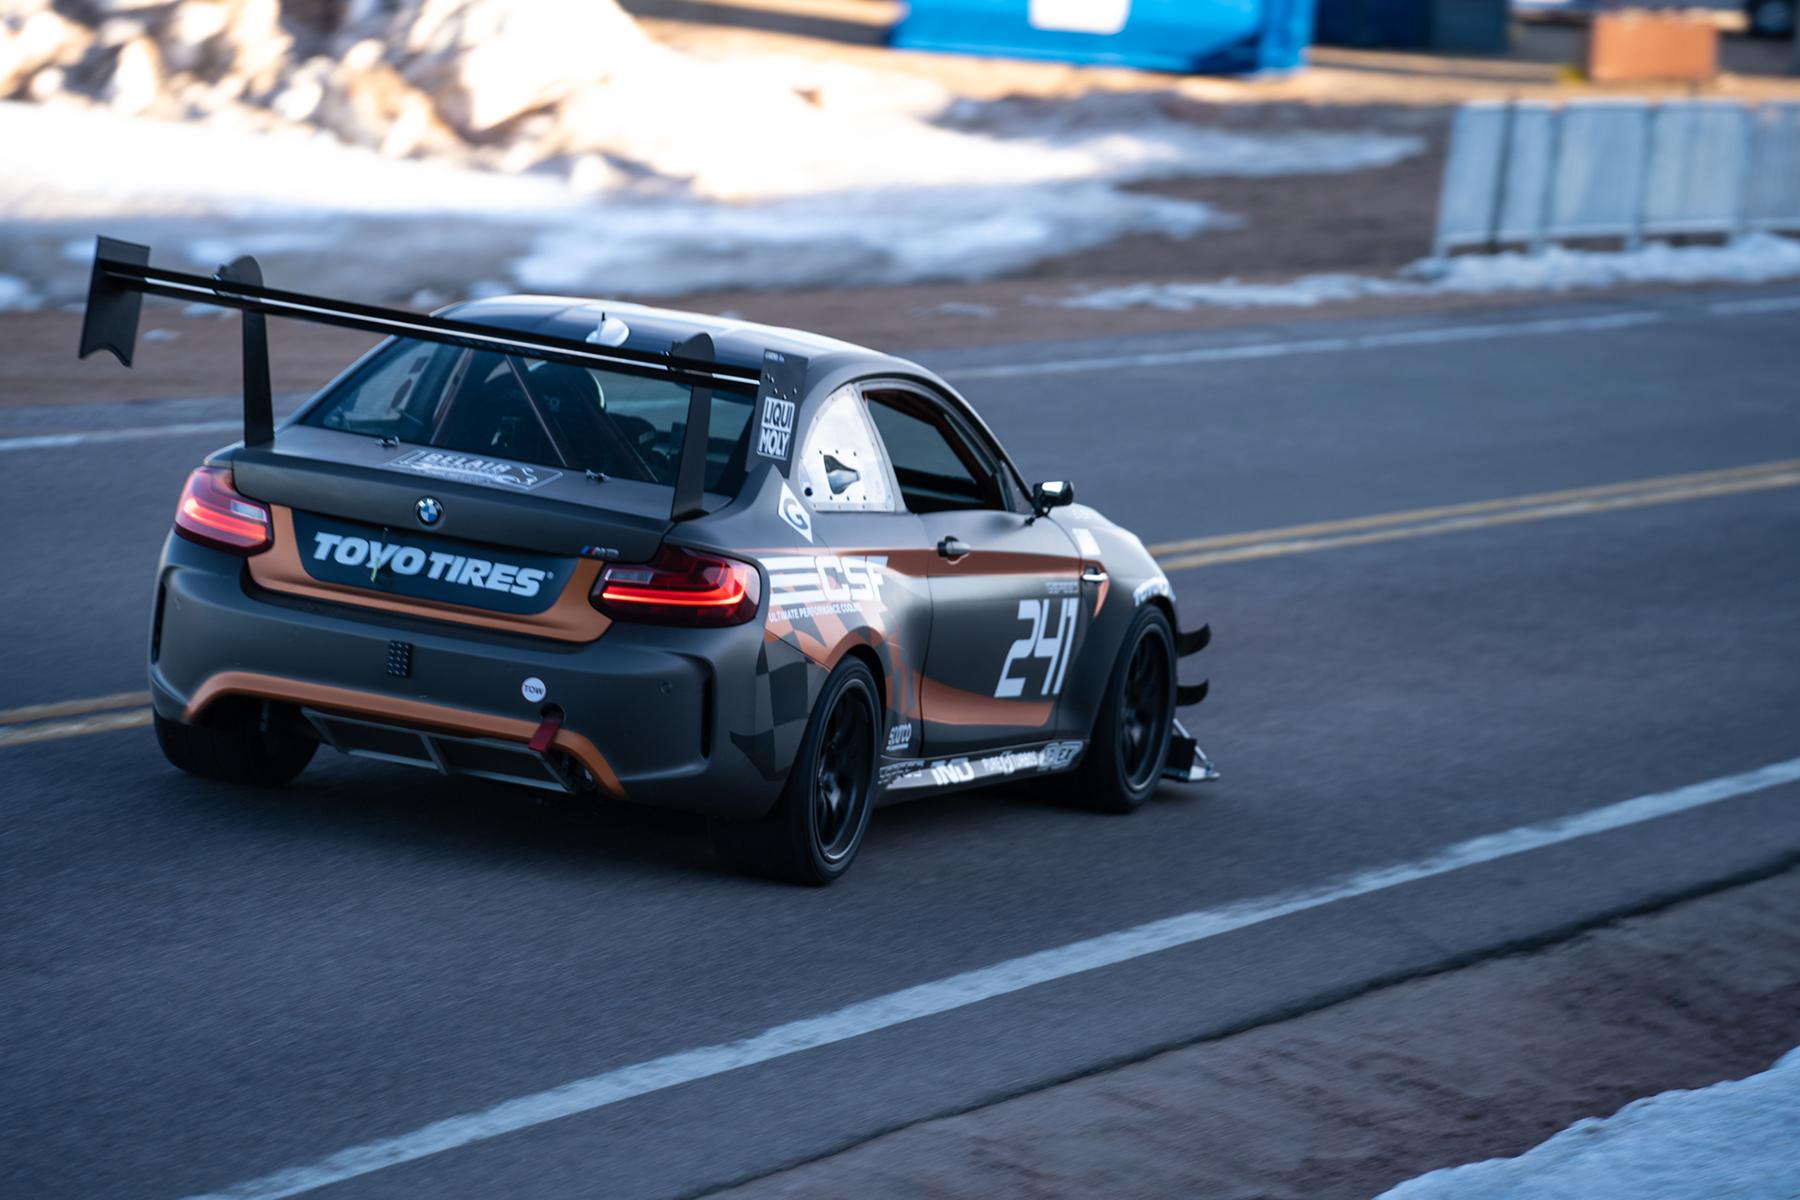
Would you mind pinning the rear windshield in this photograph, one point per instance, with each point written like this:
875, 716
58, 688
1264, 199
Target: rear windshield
531, 411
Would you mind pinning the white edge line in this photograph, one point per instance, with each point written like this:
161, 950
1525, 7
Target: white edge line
972, 987
1771, 304
1331, 345
47, 441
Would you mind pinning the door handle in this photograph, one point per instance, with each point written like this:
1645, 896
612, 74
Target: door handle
952, 548
1093, 575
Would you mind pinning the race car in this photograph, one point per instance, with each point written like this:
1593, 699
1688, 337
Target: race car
647, 556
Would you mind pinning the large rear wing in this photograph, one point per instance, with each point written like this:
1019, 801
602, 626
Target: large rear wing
122, 275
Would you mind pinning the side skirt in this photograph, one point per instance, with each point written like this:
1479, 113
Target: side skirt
925, 776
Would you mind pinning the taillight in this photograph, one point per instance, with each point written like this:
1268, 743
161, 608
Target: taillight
213, 514
679, 587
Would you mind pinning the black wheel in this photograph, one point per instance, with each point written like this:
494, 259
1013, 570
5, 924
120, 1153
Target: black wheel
1130, 745
235, 751
812, 833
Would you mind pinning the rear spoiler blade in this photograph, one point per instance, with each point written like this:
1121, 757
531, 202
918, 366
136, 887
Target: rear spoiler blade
122, 275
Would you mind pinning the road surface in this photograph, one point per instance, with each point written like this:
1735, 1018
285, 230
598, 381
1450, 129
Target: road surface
329, 991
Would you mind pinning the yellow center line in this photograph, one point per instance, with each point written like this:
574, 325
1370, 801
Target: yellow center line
53, 730
1166, 549
91, 715
70, 708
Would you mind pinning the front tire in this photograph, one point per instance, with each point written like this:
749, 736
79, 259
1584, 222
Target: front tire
817, 825
1132, 730
235, 752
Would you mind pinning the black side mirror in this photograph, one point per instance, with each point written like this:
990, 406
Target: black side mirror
1053, 493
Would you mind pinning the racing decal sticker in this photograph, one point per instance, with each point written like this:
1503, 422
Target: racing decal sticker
1047, 639
1152, 588
777, 403
1085, 541
811, 585
473, 468
899, 738
955, 772
794, 513
462, 570
533, 689
1062, 587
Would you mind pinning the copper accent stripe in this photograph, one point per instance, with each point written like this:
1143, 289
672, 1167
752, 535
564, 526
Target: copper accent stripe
946, 705
400, 711
571, 619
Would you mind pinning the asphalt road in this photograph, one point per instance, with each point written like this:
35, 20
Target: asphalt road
202, 986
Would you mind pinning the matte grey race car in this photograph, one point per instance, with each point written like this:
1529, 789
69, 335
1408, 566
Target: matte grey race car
646, 555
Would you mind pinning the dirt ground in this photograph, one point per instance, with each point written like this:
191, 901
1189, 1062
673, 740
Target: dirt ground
1350, 1100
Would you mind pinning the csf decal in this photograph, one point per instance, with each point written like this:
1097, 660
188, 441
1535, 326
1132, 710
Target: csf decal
1051, 635
899, 738
811, 585
441, 566
473, 468
794, 512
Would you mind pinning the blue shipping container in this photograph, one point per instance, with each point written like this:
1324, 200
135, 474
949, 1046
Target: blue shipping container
1187, 36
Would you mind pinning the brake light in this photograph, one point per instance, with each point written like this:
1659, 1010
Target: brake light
679, 587
213, 514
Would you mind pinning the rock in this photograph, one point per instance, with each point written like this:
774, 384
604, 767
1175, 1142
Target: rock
485, 62
45, 38
137, 77
191, 38
46, 85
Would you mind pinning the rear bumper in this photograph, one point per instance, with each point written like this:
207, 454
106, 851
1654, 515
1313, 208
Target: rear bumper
659, 716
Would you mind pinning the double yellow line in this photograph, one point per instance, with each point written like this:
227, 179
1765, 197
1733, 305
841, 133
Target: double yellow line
1483, 514
128, 710
73, 718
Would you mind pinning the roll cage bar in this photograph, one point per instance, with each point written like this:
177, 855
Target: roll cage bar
122, 275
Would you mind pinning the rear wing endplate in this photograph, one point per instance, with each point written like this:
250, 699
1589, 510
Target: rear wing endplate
122, 276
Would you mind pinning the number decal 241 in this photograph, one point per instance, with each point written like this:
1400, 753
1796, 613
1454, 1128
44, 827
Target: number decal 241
1044, 641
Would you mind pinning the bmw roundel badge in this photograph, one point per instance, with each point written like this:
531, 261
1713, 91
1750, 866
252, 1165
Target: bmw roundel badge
429, 511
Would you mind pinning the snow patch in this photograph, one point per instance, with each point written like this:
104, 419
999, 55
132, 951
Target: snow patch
17, 295
1758, 258
1731, 1141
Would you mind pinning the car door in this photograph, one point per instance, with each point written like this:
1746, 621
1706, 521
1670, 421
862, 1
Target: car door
1007, 615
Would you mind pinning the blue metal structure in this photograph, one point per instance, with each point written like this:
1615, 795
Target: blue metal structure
1186, 36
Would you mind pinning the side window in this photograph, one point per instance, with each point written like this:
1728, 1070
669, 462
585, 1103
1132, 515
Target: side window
396, 394
841, 466
937, 470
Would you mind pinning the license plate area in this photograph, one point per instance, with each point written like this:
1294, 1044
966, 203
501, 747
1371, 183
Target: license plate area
428, 567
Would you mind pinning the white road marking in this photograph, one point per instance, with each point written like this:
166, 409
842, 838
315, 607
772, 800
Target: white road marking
972, 987
48, 441
1330, 345
1768, 304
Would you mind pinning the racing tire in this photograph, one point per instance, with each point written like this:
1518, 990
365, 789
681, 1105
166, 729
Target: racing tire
250, 757
1135, 724
813, 832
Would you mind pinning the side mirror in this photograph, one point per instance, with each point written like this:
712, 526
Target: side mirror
1051, 494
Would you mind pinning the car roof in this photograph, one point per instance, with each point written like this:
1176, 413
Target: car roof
735, 342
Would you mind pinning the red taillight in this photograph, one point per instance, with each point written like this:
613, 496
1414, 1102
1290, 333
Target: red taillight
213, 514
679, 587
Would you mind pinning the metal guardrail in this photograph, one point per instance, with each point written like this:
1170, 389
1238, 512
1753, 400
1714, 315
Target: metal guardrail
1530, 172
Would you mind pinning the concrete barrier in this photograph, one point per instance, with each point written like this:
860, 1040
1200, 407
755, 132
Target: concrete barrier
1531, 173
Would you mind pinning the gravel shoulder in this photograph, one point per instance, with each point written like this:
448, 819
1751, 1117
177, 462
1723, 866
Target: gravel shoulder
1352, 1099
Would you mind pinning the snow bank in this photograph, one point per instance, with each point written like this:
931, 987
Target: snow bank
1738, 1140
555, 146
1758, 258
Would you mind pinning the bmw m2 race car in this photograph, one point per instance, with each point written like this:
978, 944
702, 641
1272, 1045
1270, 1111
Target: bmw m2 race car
647, 555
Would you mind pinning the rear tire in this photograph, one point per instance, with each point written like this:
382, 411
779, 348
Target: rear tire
1132, 731
234, 752
813, 832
